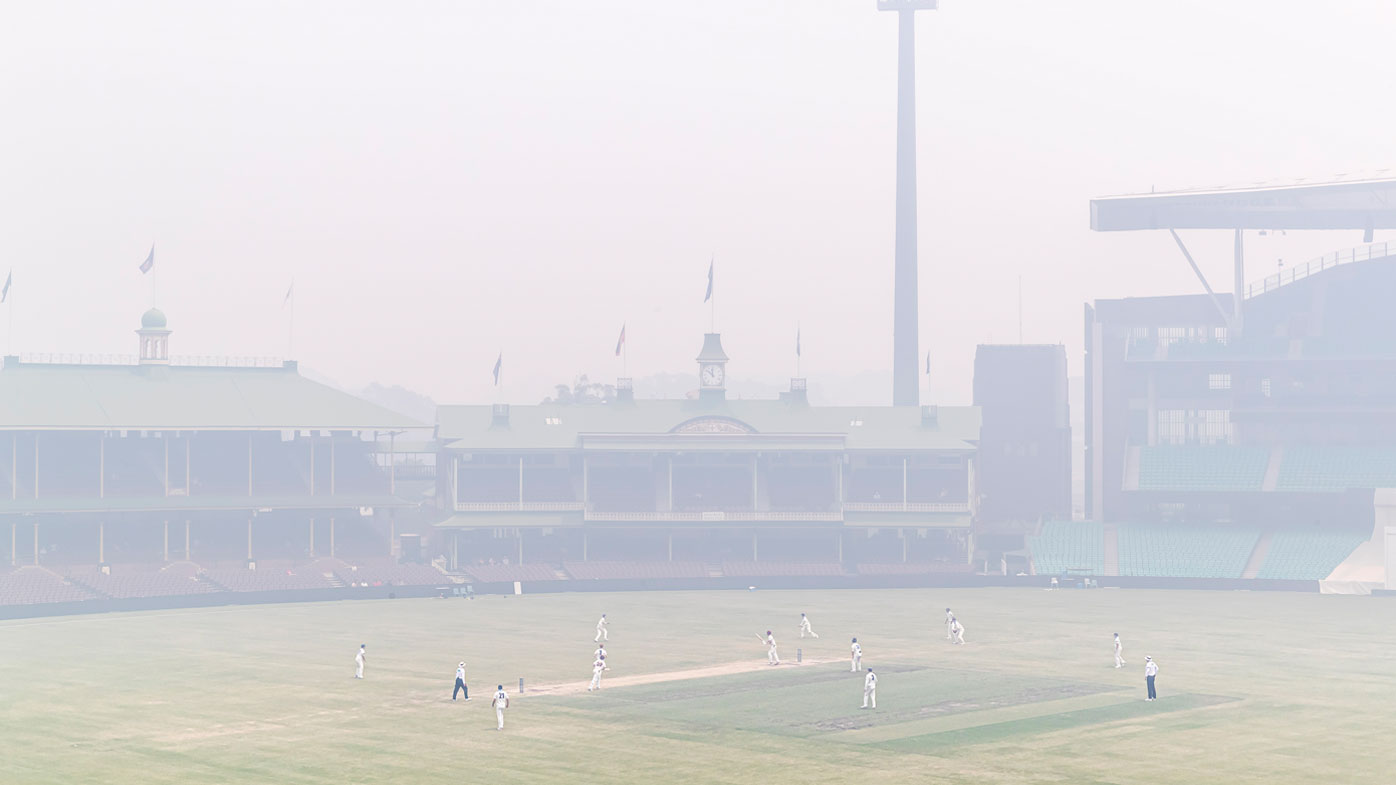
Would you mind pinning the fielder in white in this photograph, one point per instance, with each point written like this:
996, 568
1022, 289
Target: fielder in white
857, 656
805, 628
949, 621
771, 657
597, 668
1119, 652
957, 632
500, 703
600, 652
359, 662
601, 629
870, 690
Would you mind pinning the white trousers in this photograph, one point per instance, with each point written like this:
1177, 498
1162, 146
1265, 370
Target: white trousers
806, 629
772, 657
600, 635
948, 633
869, 696
960, 636
595, 681
1119, 659
358, 669
857, 663
499, 715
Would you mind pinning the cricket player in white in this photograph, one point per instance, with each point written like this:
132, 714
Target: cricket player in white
771, 657
596, 669
870, 690
601, 629
857, 656
805, 628
1150, 671
359, 662
500, 703
600, 652
1119, 652
949, 621
957, 632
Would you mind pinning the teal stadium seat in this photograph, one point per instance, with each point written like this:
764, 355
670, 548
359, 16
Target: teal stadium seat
1332, 469
1184, 551
1190, 468
1069, 546
1307, 556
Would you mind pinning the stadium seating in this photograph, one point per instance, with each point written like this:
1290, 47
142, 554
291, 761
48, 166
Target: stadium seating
1184, 552
387, 572
1307, 555
1069, 546
508, 573
924, 568
264, 578
1215, 468
751, 569
126, 581
622, 570
37, 585
1319, 469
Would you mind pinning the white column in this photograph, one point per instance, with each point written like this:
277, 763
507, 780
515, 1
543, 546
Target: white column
101, 542
332, 538
903, 485
455, 549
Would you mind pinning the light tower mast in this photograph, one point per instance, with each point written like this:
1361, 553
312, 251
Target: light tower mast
905, 321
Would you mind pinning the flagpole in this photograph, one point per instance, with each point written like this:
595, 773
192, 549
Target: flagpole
291, 325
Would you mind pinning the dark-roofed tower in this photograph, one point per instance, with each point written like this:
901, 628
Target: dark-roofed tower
155, 338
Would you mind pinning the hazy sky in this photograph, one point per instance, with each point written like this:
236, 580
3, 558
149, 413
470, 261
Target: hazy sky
446, 180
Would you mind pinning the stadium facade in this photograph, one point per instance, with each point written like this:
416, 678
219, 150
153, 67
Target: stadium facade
112, 472
706, 486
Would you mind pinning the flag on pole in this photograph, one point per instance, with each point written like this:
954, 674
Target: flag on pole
928, 363
709, 295
498, 363
620, 343
289, 291
5, 293
149, 261
797, 341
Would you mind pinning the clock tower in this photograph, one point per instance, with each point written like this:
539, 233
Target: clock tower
712, 368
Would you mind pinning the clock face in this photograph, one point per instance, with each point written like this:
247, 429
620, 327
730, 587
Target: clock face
712, 375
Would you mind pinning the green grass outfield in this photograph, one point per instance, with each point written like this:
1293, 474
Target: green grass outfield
1255, 687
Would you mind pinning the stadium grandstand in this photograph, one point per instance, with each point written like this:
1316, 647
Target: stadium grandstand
1241, 435
157, 478
705, 487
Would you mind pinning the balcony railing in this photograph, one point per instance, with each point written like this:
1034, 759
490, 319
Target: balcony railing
906, 507
1301, 271
714, 516
519, 506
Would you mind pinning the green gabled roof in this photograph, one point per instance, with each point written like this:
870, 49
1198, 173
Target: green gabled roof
882, 428
37, 396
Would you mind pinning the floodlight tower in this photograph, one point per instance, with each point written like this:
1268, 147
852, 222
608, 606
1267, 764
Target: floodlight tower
905, 322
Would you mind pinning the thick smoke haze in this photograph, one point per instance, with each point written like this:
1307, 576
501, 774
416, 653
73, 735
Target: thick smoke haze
445, 181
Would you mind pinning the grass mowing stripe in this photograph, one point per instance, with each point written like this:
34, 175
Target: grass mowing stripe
934, 743
971, 719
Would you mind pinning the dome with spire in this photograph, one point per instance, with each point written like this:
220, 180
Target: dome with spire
153, 319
